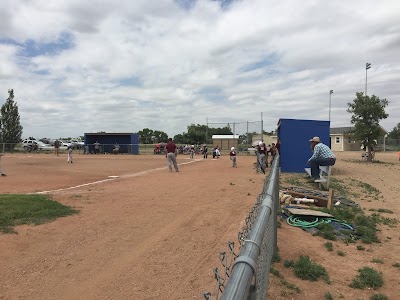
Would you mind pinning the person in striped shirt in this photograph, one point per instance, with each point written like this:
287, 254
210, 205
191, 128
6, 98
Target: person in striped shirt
322, 156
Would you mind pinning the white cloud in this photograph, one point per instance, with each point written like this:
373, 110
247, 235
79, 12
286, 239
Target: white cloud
137, 64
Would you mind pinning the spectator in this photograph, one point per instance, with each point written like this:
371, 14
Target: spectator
322, 156
261, 157
273, 151
278, 146
96, 147
116, 148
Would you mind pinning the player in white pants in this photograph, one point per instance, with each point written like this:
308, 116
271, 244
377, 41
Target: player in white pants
69, 155
1, 172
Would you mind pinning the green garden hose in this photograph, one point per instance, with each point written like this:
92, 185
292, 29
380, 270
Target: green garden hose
300, 222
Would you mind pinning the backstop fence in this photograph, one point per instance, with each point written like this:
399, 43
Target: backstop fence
246, 275
244, 129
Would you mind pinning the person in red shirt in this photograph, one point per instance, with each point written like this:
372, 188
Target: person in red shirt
171, 154
232, 155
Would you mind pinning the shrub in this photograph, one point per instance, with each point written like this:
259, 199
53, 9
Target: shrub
329, 246
305, 269
367, 277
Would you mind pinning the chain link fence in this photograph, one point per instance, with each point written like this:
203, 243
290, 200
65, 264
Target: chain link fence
246, 275
388, 144
245, 130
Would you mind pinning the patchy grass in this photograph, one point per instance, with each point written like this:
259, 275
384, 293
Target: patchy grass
329, 246
366, 188
367, 277
341, 253
29, 209
328, 296
379, 297
382, 210
360, 247
339, 186
365, 226
396, 265
306, 269
359, 161
274, 271
377, 260
288, 263
326, 231
290, 286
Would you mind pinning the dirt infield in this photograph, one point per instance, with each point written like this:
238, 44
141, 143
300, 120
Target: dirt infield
151, 234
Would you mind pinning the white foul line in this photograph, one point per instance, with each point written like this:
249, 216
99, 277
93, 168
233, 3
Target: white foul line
110, 179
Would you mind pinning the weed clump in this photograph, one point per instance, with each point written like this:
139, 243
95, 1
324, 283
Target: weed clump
305, 269
329, 246
379, 297
367, 277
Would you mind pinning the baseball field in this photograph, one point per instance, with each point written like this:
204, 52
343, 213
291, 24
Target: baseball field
145, 233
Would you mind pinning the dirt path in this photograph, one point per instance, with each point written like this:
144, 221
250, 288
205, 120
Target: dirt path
151, 234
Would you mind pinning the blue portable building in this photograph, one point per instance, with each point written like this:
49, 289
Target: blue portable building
128, 142
294, 136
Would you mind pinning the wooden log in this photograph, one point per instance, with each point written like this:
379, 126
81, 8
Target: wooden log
330, 198
322, 202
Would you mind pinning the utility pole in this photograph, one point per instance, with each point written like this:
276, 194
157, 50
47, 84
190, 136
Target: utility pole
206, 130
262, 127
367, 66
330, 98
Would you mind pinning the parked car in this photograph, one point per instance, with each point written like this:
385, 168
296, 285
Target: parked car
77, 144
33, 145
30, 145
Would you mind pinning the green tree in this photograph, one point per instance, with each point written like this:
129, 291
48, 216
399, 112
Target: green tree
367, 112
10, 126
160, 136
395, 133
180, 138
146, 136
196, 134
149, 136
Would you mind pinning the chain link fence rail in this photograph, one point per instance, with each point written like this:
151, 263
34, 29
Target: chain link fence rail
246, 275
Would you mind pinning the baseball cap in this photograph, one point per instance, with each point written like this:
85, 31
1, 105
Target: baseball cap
315, 139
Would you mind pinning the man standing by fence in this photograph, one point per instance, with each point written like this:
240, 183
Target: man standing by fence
170, 154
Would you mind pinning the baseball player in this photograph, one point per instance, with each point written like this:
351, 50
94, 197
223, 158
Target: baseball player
69, 149
1, 172
232, 155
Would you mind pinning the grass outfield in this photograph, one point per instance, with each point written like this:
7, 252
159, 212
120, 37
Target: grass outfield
29, 209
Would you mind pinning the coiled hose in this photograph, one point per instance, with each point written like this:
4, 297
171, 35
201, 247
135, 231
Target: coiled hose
300, 222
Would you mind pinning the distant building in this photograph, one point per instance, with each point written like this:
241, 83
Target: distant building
225, 141
342, 141
268, 139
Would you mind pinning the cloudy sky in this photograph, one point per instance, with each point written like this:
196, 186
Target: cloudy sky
121, 66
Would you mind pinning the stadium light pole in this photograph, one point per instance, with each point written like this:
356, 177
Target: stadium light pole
330, 98
367, 66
